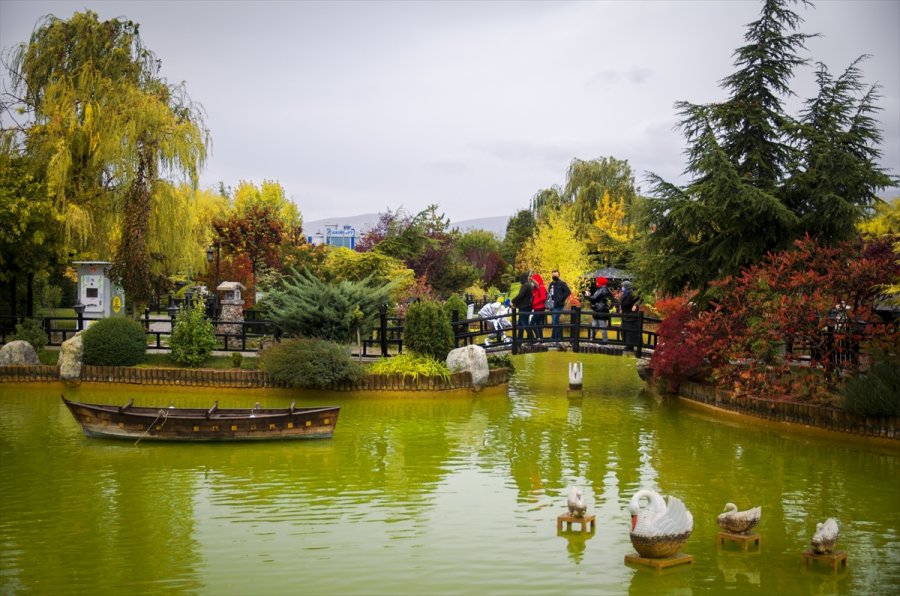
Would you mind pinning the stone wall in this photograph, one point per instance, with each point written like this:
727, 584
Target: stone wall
834, 419
240, 378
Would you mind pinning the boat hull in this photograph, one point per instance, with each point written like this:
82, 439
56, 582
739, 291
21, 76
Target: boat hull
200, 425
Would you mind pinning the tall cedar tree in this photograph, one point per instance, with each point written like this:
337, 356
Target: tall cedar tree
833, 185
761, 180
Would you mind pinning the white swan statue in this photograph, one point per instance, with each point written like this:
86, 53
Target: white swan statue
577, 506
658, 531
826, 536
738, 522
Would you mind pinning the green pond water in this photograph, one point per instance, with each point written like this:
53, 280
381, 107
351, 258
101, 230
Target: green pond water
432, 494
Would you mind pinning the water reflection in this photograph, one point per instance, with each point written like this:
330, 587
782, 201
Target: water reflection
676, 581
576, 543
739, 569
445, 492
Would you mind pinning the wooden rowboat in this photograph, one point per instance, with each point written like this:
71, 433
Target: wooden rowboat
199, 424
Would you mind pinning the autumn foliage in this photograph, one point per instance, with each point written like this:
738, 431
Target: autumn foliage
785, 328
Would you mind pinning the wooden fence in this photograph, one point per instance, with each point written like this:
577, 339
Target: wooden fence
240, 378
824, 417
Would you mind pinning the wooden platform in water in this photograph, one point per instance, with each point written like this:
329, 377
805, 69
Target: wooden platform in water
833, 558
743, 539
569, 519
677, 559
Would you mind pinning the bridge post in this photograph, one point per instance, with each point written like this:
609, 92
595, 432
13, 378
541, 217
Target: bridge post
382, 329
576, 328
515, 331
640, 344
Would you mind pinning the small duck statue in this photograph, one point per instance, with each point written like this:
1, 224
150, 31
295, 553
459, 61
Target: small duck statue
659, 530
577, 506
826, 536
738, 522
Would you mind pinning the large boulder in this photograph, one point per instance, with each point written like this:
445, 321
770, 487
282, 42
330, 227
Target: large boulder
70, 357
18, 353
473, 359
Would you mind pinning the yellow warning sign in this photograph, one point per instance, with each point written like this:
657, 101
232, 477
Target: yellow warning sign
116, 304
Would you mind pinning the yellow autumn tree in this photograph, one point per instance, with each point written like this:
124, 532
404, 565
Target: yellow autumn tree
611, 233
269, 194
884, 222
885, 219
556, 245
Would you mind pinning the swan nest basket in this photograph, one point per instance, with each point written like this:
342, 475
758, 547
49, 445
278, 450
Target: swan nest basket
658, 547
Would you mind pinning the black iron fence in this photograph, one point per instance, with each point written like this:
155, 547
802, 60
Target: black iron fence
231, 336
502, 332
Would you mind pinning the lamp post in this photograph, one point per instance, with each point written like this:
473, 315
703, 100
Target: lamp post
209, 258
79, 311
215, 292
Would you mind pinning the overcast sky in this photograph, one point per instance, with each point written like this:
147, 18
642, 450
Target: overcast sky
355, 107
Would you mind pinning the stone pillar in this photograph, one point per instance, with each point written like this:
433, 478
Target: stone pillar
231, 314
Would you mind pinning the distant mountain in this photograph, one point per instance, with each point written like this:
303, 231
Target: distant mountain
360, 222
366, 221
496, 224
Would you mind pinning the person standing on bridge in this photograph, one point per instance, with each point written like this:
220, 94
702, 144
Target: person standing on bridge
523, 303
538, 304
629, 305
600, 300
557, 294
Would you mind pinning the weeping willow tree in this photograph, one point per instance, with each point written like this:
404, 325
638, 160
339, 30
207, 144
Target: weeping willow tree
587, 181
107, 131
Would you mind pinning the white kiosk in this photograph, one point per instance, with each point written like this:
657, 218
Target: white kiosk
101, 298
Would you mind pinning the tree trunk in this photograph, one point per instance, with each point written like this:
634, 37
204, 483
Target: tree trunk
13, 296
132, 264
29, 296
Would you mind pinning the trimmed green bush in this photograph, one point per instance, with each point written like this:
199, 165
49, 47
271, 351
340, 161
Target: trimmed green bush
193, 337
30, 330
411, 365
455, 302
114, 341
877, 391
501, 361
313, 363
427, 330
237, 359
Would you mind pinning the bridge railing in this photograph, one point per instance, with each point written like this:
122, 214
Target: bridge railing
632, 331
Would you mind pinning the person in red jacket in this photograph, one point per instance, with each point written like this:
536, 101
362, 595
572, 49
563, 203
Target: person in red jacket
538, 308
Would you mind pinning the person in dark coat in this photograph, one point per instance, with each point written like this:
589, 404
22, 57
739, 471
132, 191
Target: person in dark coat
629, 304
557, 294
600, 303
523, 303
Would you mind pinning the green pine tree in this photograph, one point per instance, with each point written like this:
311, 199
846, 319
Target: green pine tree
760, 179
305, 306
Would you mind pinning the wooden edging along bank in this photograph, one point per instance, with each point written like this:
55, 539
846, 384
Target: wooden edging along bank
821, 417
240, 378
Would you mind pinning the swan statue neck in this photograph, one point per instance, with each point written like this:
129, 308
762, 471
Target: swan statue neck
655, 500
